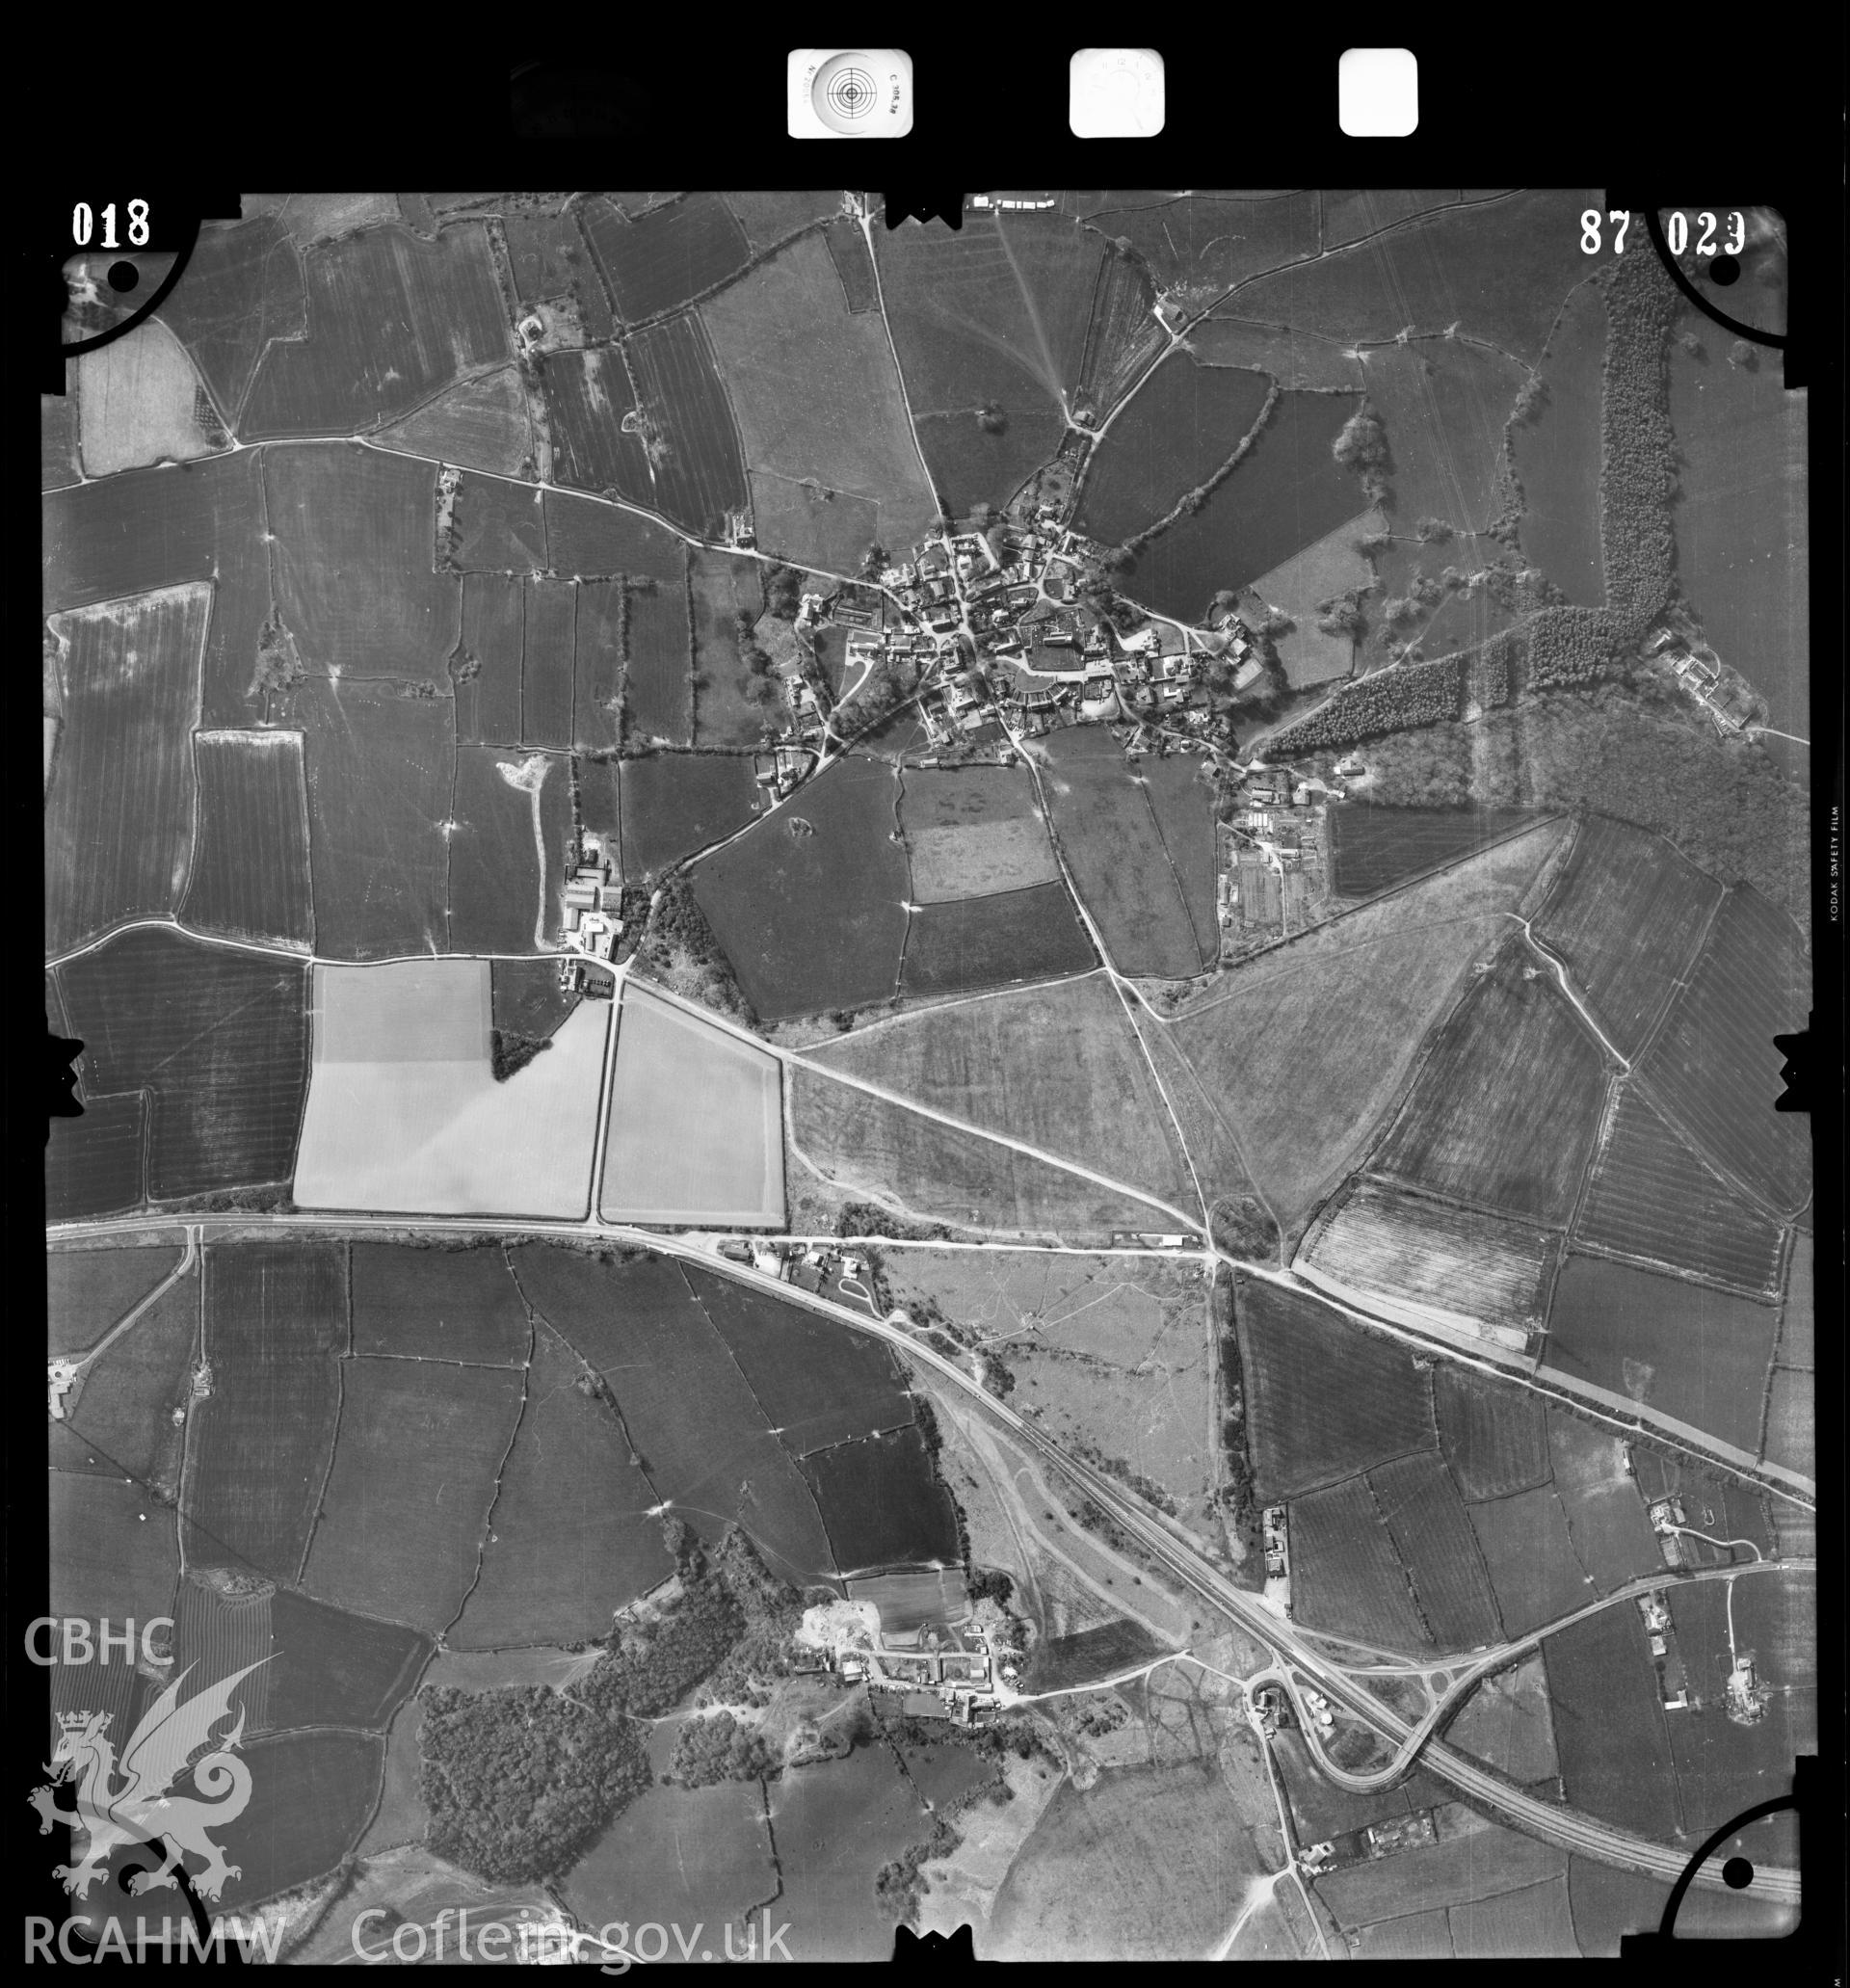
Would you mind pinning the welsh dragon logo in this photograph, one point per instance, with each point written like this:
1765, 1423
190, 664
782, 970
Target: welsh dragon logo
107, 1816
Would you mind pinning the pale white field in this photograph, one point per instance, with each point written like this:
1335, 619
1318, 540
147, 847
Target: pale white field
51, 746
135, 401
404, 1115
695, 1124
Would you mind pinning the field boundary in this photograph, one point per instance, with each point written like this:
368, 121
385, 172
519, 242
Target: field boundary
1541, 819
500, 1473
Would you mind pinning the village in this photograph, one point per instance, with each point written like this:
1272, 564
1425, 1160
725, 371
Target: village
931, 1669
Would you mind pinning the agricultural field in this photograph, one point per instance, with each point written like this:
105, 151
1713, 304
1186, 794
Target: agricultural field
599, 663
1464, 1871
671, 256
378, 789
1444, 404
696, 1133
589, 398
249, 877
481, 424
1739, 519
589, 539
549, 664
810, 905
312, 1795
58, 439
673, 804
818, 400
1653, 1198
1302, 1431
1123, 337
391, 320
1534, 1923
120, 809
424, 1442
405, 1112
1714, 1069
871, 1149
1182, 801
982, 942
1555, 452
114, 1550
1184, 426
122, 1413
1108, 830
243, 288
486, 671
972, 831
1627, 918
1696, 1354
258, 1445
1610, 1726
225, 1631
1608, 1904
548, 256
731, 706
1307, 1045
1432, 1536
1056, 1068
1493, 1434
699, 472
1346, 1575
1508, 1723
570, 1538
1606, 1512
699, 1434
1298, 361
496, 528
1332, 567
853, 265
1350, 214
94, 1163
1790, 1439
1503, 1112
769, 218
882, 1501
457, 1304
138, 403
1375, 848
331, 1668
658, 686
219, 1039
90, 1290
1287, 492
354, 551
1201, 244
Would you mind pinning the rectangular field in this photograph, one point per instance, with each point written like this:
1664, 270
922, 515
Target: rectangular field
480, 424
882, 1502
87, 1290
1532, 1924
1697, 1355
511, 820
404, 1113
1323, 1398
972, 830
250, 873
769, 218
243, 288
1444, 403
1493, 1433
137, 403
1374, 848
314, 1793
597, 665
1609, 1723
696, 1133
118, 815
496, 527
94, 1163
548, 662
848, 251
1652, 1197
700, 475
1431, 1875
984, 941
672, 253
732, 704
111, 1554
1424, 1518
676, 803
590, 541
438, 1304
486, 669
589, 398
333, 1668
1606, 1513
1345, 1573
1791, 1439
658, 691
123, 1410
1505, 1108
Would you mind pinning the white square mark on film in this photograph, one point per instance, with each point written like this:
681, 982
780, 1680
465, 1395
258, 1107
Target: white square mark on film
1378, 93
1114, 92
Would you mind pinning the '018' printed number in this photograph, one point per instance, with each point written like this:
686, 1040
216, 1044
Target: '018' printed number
83, 225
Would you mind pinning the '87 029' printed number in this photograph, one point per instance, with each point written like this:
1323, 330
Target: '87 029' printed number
1675, 232
83, 225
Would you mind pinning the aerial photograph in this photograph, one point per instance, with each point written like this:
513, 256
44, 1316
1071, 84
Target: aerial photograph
927, 1081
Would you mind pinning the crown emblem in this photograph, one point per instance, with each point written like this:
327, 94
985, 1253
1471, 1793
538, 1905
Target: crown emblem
78, 1721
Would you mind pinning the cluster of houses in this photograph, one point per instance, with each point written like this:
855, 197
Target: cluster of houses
931, 1683
1723, 693
1272, 869
593, 895
810, 1267
1660, 1639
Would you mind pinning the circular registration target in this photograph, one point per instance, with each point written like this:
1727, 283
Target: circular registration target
845, 94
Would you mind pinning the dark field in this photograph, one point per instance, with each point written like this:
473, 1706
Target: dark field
882, 1502
123, 1417
593, 541
1697, 1355
1206, 244
87, 1290
1651, 1196
1444, 404
569, 1539
547, 664
276, 1322
597, 665
335, 1669
985, 942
1107, 829
1184, 810
1375, 848
488, 702
658, 691
816, 1384
588, 396
500, 527
848, 251
312, 1793
1287, 493
808, 904
1183, 425
220, 1038
354, 562
1322, 1398
1434, 1540
481, 424
94, 1163
250, 874
673, 804
1609, 1724
701, 474
1556, 454
243, 287
1605, 1514
1715, 1068
695, 1426
833, 1827
150, 528
404, 1514
378, 784
1504, 1110
113, 1549
1062, 1661
1345, 1575
1536, 1573
1628, 916
1493, 1434
671, 256
528, 997
438, 1304
118, 817
391, 319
